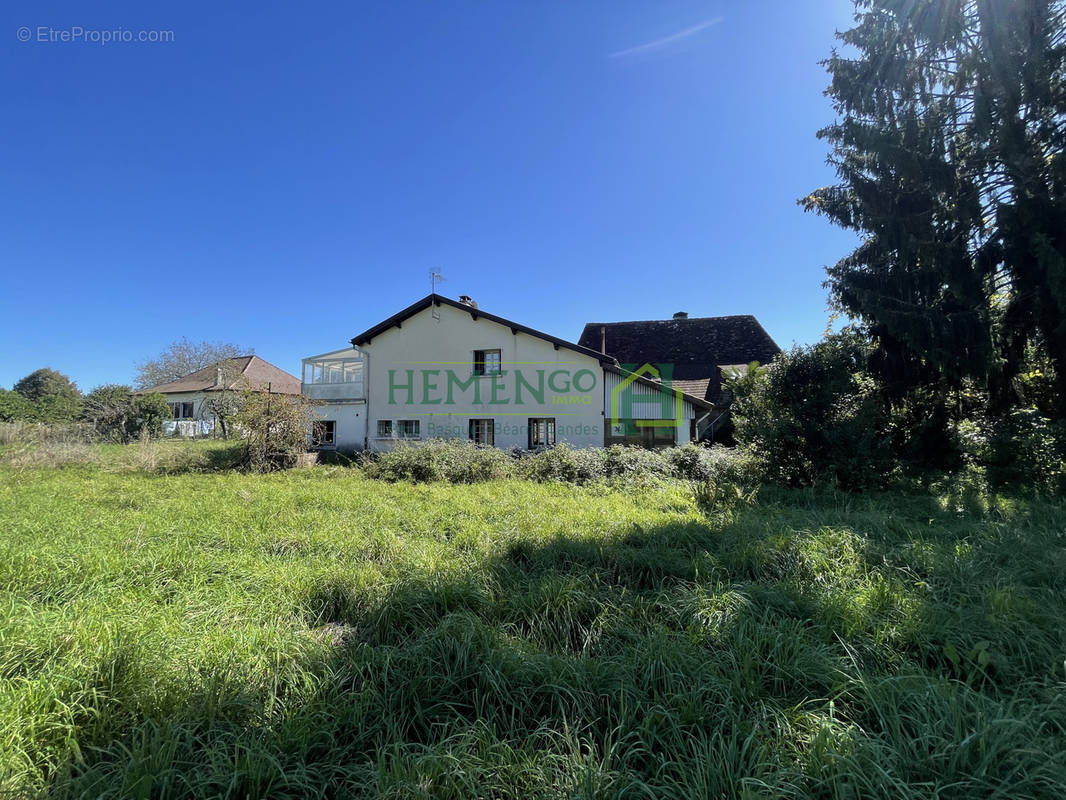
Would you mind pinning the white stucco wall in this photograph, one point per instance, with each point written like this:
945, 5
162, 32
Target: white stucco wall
439, 342
350, 423
646, 402
196, 398
188, 426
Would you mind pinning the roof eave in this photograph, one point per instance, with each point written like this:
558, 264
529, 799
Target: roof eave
691, 398
396, 320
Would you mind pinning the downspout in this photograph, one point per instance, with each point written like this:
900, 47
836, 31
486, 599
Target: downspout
366, 397
603, 374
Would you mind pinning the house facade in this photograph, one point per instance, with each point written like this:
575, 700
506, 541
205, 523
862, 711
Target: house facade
193, 398
336, 381
443, 368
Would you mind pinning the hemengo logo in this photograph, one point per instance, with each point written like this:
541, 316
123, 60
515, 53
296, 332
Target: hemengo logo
526, 385
623, 397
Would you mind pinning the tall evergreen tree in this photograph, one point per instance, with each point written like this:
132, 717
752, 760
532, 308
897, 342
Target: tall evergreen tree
950, 151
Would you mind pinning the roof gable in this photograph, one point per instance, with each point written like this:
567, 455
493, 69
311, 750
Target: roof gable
396, 320
252, 372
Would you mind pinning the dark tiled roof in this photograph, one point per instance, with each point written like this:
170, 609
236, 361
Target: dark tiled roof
251, 372
697, 347
697, 399
697, 387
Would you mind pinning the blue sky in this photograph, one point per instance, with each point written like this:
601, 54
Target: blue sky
285, 175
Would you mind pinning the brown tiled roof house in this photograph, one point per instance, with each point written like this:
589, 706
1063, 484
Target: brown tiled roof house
248, 372
190, 396
699, 348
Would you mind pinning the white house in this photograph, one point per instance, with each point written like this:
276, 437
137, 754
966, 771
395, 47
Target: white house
190, 397
445, 368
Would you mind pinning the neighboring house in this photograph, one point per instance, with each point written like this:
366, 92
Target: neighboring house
189, 396
695, 351
445, 368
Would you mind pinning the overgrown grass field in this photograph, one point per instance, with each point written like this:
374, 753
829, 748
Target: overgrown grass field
319, 633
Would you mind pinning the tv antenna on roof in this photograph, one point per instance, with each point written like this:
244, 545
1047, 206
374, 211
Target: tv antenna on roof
434, 278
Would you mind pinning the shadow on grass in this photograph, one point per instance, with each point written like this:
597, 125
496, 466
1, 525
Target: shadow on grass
759, 656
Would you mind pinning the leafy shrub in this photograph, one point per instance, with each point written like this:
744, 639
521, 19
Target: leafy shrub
1026, 450
110, 409
920, 430
49, 409
14, 407
636, 463
454, 461
273, 430
714, 464
150, 411
119, 415
692, 462
565, 464
815, 413
458, 461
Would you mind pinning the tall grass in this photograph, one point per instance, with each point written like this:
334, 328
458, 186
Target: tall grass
146, 455
318, 633
40, 433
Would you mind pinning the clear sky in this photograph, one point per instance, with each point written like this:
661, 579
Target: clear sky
285, 175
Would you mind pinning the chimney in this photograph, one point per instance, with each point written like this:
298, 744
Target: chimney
680, 315
603, 339
467, 300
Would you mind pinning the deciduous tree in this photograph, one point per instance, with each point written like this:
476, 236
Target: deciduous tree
183, 357
110, 408
275, 429
51, 396
47, 382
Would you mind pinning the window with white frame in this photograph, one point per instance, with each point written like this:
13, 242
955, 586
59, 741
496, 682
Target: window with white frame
333, 371
483, 431
487, 362
384, 428
408, 428
181, 410
324, 433
541, 432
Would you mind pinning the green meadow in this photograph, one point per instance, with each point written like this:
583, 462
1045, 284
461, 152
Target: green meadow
174, 632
